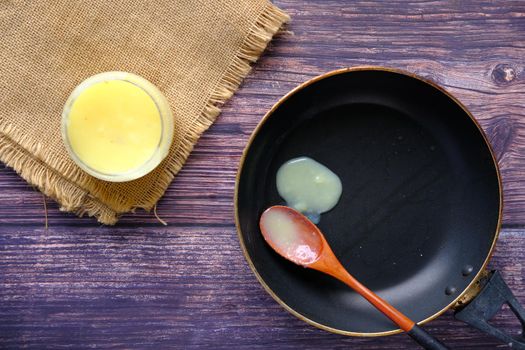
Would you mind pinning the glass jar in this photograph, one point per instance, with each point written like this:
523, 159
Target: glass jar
117, 126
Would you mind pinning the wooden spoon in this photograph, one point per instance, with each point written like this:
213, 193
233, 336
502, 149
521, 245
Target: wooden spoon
297, 239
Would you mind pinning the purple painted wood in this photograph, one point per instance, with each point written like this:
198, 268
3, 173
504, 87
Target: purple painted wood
187, 285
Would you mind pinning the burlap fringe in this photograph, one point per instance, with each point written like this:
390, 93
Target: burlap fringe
25, 162
29, 161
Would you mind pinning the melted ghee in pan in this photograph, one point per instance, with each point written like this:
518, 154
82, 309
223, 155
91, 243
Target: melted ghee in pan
308, 186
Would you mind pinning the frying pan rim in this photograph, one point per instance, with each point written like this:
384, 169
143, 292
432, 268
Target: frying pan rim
254, 134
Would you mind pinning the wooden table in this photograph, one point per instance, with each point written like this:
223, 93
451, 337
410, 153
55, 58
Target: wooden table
143, 285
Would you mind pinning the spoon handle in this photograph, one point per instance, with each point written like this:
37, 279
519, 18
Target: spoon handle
388, 310
329, 264
425, 339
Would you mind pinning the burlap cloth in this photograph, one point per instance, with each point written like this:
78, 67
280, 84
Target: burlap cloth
195, 51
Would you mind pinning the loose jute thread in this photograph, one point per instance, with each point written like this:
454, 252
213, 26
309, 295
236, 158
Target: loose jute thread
158, 217
45, 211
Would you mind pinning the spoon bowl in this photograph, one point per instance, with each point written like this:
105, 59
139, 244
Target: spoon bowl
294, 238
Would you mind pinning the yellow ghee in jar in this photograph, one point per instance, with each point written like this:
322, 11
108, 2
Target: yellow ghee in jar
114, 127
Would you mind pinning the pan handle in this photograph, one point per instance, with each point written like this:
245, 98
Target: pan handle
487, 303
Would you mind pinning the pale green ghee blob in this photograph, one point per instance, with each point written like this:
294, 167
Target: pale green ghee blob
308, 186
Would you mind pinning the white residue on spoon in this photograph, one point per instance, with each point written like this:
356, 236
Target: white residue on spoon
308, 186
285, 236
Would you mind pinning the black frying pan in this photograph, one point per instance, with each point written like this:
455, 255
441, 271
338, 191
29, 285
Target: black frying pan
420, 210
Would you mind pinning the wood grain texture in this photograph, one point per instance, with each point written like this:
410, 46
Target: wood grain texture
187, 286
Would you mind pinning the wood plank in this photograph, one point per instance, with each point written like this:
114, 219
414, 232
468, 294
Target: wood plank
203, 179
172, 288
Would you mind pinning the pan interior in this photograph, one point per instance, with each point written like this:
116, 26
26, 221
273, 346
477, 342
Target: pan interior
420, 196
